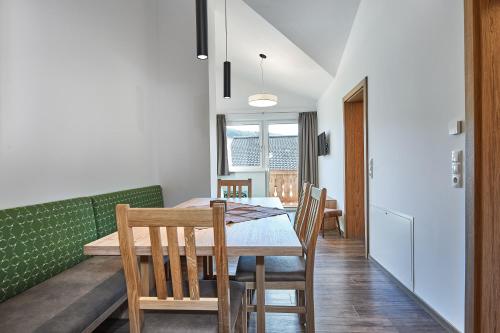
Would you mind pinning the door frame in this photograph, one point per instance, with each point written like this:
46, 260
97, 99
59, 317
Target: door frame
471, 70
479, 25
362, 85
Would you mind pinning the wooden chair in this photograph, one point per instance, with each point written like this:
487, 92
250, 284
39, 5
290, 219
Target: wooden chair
331, 213
234, 190
291, 273
234, 187
206, 305
300, 213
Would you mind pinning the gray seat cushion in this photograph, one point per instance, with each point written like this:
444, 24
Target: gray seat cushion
277, 269
67, 302
184, 321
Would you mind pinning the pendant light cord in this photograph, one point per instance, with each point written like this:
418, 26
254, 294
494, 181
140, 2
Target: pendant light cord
225, 22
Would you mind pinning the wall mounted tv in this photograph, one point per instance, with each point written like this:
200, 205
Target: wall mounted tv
323, 146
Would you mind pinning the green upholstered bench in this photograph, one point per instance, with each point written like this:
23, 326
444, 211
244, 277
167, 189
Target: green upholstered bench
104, 205
47, 284
42, 267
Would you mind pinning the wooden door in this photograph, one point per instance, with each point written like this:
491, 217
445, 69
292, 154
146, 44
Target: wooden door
354, 170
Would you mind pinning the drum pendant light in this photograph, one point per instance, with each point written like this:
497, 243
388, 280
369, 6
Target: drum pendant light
262, 100
227, 64
201, 29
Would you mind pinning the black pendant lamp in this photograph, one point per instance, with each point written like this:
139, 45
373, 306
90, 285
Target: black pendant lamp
201, 29
227, 64
227, 79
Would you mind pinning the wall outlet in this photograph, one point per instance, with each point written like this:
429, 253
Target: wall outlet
456, 181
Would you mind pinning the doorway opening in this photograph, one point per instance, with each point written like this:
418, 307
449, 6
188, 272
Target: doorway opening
356, 167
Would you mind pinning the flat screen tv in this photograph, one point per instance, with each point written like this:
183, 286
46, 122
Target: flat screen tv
323, 146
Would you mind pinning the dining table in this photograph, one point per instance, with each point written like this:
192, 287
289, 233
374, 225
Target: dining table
269, 236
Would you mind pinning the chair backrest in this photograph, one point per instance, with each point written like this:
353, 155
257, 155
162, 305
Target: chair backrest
166, 224
300, 213
312, 225
234, 187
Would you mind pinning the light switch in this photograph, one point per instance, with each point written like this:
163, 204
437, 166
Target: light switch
456, 156
455, 127
456, 168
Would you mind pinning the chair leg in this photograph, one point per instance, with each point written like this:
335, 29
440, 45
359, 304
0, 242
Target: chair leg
338, 225
205, 268
208, 268
249, 296
323, 228
211, 267
309, 310
243, 312
136, 318
300, 302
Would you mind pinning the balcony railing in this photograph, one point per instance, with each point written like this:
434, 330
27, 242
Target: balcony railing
284, 184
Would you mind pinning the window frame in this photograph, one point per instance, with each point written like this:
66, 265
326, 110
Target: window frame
263, 139
266, 124
261, 142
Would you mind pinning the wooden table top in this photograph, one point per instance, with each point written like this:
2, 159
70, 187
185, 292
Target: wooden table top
272, 236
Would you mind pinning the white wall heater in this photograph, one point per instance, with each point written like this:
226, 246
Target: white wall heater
391, 243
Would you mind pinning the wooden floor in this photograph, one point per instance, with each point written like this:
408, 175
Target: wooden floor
352, 295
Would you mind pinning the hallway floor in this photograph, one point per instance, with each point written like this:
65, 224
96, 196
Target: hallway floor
352, 294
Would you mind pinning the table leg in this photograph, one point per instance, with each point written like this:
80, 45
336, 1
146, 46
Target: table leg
261, 294
147, 276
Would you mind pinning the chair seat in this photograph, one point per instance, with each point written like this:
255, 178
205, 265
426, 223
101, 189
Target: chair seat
330, 212
188, 321
278, 269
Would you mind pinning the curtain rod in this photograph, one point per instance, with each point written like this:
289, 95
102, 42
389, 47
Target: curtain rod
262, 113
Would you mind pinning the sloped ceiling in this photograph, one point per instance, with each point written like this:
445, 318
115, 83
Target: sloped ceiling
319, 27
290, 71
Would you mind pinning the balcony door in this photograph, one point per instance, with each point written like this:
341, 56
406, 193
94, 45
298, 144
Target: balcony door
282, 161
266, 151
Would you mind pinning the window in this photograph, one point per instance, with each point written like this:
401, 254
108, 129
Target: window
283, 146
244, 146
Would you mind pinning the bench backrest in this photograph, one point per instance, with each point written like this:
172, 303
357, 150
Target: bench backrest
105, 205
40, 241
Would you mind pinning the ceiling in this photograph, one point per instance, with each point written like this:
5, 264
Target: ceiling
290, 70
319, 27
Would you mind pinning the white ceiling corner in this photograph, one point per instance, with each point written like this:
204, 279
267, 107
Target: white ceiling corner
319, 27
291, 71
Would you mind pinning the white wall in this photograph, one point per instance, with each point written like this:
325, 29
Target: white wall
76, 91
181, 121
97, 96
412, 52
